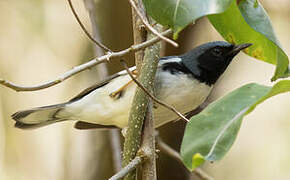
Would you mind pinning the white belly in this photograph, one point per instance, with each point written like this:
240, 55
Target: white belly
98, 107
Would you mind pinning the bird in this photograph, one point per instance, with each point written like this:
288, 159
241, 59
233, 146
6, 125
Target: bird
183, 81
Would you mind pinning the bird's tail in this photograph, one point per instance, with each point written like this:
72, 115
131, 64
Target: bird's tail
38, 117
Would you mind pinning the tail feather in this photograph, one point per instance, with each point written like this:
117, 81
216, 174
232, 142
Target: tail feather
22, 125
38, 117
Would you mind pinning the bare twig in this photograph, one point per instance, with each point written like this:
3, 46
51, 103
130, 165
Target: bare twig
149, 27
131, 166
85, 66
171, 152
85, 30
151, 96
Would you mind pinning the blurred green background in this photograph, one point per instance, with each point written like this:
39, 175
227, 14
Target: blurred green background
40, 40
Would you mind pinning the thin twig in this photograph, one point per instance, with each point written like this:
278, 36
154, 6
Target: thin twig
131, 166
151, 96
85, 66
149, 27
85, 30
171, 152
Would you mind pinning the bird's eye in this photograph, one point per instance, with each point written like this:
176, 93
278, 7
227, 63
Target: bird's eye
217, 52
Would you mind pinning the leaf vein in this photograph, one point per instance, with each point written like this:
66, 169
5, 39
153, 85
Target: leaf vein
224, 130
175, 11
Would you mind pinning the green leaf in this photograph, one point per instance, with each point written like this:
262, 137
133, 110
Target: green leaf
177, 14
210, 134
246, 21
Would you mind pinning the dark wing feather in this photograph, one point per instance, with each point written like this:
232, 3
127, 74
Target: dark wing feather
93, 87
85, 125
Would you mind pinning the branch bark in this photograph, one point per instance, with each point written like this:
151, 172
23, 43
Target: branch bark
139, 106
148, 146
148, 26
139, 32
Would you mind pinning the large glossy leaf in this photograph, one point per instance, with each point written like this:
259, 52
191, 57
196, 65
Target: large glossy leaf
210, 134
177, 14
248, 22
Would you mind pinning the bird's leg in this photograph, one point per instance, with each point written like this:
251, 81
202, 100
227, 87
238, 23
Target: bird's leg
119, 91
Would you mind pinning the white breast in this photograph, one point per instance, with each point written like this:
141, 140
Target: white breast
98, 107
184, 93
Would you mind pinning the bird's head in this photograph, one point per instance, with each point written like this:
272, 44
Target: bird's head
208, 61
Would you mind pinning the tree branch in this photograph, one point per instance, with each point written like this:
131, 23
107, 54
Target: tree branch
175, 155
151, 96
148, 146
139, 33
149, 27
85, 30
139, 106
168, 150
130, 167
85, 66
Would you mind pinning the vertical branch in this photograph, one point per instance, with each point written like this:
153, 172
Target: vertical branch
139, 106
148, 146
139, 32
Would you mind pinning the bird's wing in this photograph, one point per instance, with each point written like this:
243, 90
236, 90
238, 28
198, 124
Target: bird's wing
81, 125
98, 85
85, 125
93, 87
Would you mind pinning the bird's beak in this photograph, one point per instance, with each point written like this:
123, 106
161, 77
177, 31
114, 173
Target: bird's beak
239, 47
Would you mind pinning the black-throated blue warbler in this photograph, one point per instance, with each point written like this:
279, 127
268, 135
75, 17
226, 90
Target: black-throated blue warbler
182, 81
